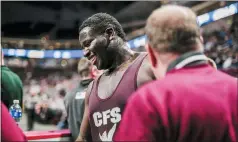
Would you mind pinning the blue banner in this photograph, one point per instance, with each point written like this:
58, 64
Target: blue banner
218, 14
137, 42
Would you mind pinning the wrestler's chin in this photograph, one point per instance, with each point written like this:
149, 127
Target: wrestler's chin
99, 65
102, 65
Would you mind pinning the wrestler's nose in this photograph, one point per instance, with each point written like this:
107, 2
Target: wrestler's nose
86, 52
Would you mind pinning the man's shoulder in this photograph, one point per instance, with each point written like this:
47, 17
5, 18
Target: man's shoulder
149, 88
8, 75
90, 86
80, 88
148, 96
5, 71
227, 76
232, 81
155, 88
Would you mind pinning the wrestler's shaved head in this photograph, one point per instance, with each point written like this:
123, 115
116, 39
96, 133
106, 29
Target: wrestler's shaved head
173, 28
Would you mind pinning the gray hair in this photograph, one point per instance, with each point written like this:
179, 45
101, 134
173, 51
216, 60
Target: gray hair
179, 37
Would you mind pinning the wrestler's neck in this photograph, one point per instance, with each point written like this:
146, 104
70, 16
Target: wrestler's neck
122, 56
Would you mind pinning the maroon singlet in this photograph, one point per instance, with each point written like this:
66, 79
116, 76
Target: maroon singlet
105, 114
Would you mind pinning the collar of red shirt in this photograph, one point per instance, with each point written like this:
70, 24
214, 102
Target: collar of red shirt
186, 59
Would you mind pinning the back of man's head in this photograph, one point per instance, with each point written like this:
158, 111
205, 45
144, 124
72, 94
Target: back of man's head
84, 68
173, 28
101, 21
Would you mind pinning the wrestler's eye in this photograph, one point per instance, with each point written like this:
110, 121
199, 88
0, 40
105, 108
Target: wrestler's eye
87, 43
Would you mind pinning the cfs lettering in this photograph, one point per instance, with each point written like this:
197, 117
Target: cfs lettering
101, 118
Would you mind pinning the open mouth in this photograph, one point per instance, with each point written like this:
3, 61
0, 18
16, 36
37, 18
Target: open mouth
92, 58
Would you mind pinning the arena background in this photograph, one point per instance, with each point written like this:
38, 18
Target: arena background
40, 40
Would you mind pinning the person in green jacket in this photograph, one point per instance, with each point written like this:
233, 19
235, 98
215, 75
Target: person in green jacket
11, 85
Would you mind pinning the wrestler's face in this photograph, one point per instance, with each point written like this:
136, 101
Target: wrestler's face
95, 46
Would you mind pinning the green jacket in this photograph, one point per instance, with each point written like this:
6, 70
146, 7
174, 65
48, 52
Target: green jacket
11, 87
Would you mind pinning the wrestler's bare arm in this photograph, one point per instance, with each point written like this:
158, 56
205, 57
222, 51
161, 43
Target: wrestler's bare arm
145, 73
85, 127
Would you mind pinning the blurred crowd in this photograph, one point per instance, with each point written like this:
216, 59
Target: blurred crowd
43, 43
221, 48
44, 98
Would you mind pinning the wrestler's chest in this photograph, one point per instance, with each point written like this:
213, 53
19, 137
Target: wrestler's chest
108, 84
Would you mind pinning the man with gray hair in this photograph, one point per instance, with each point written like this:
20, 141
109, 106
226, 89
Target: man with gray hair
193, 102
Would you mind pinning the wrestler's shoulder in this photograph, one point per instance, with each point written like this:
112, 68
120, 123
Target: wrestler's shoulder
145, 67
146, 59
155, 86
149, 91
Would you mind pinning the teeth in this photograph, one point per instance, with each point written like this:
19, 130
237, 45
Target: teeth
92, 58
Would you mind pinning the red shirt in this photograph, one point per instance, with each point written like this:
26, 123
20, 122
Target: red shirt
9, 129
192, 104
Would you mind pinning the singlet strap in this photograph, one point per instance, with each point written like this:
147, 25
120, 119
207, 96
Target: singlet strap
130, 76
94, 86
136, 65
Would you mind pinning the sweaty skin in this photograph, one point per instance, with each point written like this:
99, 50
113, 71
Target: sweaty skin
111, 78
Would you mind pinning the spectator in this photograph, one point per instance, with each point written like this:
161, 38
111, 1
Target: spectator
74, 101
61, 109
31, 100
193, 102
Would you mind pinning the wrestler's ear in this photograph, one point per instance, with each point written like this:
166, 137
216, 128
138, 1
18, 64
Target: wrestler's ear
110, 33
151, 54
